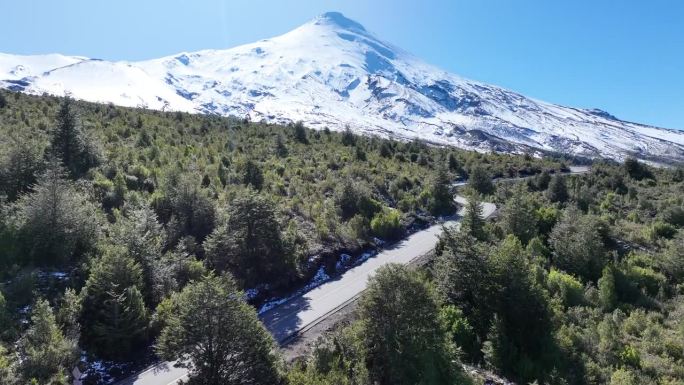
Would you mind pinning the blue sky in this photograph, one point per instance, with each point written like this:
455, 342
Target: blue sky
626, 57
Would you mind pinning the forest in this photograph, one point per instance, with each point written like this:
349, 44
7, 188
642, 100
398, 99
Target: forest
130, 235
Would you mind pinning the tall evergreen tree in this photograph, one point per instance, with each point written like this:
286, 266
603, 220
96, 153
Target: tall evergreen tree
405, 342
300, 133
69, 143
441, 200
6, 327
19, 168
249, 243
519, 216
521, 306
280, 148
46, 355
557, 191
114, 316
143, 237
348, 137
480, 180
186, 207
211, 331
252, 175
463, 279
56, 223
473, 220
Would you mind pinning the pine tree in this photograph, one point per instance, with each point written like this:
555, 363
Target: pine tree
280, 148
249, 242
348, 138
45, 353
211, 331
385, 150
192, 211
19, 167
252, 175
441, 200
520, 307
143, 237
481, 181
56, 222
300, 133
557, 191
519, 216
69, 144
462, 279
473, 221
454, 166
114, 316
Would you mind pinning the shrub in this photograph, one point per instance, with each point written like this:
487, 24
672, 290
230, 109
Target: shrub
567, 287
386, 224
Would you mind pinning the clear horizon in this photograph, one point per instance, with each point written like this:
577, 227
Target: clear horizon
624, 58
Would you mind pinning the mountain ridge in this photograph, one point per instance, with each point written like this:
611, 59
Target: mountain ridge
332, 72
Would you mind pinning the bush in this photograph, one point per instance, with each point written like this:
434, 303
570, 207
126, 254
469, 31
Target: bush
661, 230
567, 287
386, 224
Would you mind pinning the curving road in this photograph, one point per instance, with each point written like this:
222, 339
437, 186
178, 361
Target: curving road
304, 310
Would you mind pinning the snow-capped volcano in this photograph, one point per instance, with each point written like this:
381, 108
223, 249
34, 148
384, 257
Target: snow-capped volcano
331, 72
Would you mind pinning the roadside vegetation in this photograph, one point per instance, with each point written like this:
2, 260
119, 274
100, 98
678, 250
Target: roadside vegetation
578, 280
128, 235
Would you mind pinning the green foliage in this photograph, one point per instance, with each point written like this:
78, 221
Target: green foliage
386, 224
463, 279
7, 367
568, 288
19, 167
249, 243
519, 216
252, 175
481, 181
557, 190
339, 360
459, 329
69, 143
577, 245
186, 208
404, 339
143, 238
348, 137
300, 133
521, 307
636, 169
114, 316
45, 353
5, 319
211, 331
55, 224
661, 230
547, 216
441, 198
355, 199
473, 220
607, 290
630, 356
